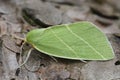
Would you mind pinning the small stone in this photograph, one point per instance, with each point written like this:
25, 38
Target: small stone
44, 13
64, 74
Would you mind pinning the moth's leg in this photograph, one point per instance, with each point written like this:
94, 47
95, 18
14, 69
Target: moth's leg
83, 61
17, 37
54, 58
21, 48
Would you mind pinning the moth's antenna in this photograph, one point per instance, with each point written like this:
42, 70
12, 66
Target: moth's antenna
28, 55
17, 37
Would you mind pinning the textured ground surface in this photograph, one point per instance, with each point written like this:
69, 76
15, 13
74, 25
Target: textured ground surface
104, 13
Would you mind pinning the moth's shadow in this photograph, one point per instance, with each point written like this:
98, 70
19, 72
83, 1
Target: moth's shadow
38, 60
48, 59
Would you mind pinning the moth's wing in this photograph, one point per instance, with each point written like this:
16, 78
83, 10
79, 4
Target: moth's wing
81, 40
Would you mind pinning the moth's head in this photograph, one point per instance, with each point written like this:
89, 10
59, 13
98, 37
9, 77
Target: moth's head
33, 35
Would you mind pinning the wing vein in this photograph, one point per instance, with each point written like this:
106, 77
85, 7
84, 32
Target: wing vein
67, 26
64, 43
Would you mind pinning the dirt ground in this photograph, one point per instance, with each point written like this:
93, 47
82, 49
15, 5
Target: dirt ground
18, 17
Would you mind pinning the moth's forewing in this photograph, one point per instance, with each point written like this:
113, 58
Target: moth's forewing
81, 40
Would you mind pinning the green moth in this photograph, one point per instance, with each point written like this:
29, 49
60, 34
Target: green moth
79, 41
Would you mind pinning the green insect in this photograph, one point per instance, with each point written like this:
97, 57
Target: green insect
78, 41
